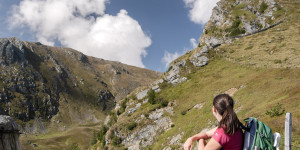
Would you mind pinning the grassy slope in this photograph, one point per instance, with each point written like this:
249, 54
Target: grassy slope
262, 89
61, 140
263, 80
275, 48
268, 79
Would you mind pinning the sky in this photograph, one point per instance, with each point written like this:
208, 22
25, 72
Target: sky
142, 33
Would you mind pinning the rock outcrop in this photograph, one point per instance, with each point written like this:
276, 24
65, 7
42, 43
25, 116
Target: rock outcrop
104, 97
242, 17
199, 57
9, 134
173, 76
145, 136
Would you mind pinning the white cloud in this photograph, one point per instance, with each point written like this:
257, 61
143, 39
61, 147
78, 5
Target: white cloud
84, 26
200, 10
193, 42
169, 57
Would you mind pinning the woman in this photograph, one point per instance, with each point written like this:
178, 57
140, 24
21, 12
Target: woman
227, 134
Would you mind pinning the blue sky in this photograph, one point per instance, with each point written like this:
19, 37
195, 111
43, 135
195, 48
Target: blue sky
144, 33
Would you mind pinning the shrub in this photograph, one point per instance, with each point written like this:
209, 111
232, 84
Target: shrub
151, 96
183, 113
113, 119
123, 105
164, 85
74, 146
163, 102
235, 28
277, 61
93, 138
101, 135
276, 110
119, 112
116, 140
249, 47
236, 23
237, 31
133, 97
131, 126
263, 7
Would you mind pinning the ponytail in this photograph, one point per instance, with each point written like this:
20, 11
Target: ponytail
224, 105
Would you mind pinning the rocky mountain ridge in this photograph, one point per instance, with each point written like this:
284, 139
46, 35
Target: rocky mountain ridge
37, 81
229, 20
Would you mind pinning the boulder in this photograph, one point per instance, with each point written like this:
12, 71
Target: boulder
156, 88
132, 110
103, 97
159, 81
142, 94
9, 134
199, 60
173, 74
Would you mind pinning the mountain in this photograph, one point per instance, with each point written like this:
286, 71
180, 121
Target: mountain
248, 49
53, 88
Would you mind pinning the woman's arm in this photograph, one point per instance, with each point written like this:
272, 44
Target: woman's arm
211, 132
211, 145
205, 135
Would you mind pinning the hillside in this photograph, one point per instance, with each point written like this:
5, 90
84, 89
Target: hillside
53, 89
249, 49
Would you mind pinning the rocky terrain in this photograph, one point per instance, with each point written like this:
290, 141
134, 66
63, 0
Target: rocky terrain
229, 20
163, 115
43, 86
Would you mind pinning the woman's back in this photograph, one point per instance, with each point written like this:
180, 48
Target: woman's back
229, 142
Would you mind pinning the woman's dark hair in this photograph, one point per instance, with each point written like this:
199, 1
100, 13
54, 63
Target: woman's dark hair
224, 105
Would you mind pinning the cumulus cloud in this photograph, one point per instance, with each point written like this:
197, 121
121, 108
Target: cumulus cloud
169, 57
200, 10
84, 26
193, 42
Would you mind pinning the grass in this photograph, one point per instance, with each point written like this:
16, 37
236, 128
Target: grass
284, 44
264, 83
78, 136
261, 85
263, 7
259, 90
239, 10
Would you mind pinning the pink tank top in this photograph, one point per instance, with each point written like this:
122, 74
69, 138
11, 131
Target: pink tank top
228, 142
